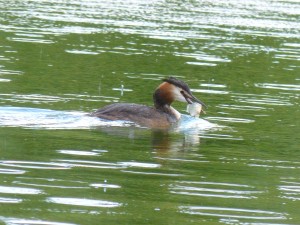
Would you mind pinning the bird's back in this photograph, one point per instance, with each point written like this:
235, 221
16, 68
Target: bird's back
140, 114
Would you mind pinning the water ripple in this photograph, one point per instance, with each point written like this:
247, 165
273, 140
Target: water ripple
153, 173
10, 72
32, 98
212, 85
286, 87
51, 183
30, 40
263, 100
98, 185
222, 137
241, 107
184, 160
51, 186
209, 91
281, 164
11, 171
212, 189
82, 52
201, 63
19, 190
290, 52
232, 120
16, 221
10, 200
290, 189
232, 213
83, 202
4, 80
265, 163
35, 165
39, 98
139, 164
202, 59
77, 152
257, 19
91, 164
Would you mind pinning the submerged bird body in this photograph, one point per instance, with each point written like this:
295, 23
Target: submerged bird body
161, 115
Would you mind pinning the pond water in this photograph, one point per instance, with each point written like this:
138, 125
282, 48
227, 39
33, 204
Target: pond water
237, 164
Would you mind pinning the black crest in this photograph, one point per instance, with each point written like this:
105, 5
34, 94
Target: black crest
178, 83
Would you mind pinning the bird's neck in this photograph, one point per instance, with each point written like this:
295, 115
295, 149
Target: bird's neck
168, 109
162, 96
163, 99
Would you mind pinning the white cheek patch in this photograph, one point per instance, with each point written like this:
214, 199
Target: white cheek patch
177, 95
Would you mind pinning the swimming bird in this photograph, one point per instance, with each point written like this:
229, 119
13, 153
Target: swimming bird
161, 115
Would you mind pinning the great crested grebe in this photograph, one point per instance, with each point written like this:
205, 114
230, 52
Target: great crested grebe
162, 115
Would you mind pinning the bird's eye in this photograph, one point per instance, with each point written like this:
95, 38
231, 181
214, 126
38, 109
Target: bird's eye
182, 92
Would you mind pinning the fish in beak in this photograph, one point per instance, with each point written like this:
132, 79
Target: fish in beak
190, 99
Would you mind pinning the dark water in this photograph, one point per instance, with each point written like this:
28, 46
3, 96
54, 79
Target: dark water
238, 164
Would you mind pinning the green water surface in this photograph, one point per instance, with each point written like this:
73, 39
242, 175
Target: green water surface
240, 57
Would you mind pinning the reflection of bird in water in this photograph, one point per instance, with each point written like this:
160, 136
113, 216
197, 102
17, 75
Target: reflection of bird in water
162, 115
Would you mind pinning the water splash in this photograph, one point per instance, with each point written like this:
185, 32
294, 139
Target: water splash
193, 123
50, 119
53, 119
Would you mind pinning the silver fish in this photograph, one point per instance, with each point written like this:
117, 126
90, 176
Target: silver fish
194, 109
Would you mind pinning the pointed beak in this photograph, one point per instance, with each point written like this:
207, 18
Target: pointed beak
191, 99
